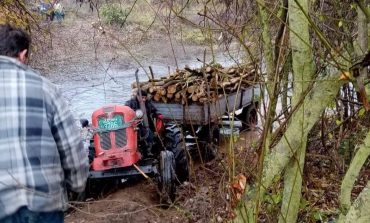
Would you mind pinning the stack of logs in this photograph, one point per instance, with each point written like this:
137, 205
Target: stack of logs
199, 85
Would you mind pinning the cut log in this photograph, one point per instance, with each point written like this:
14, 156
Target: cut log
235, 80
158, 83
209, 69
154, 89
190, 85
162, 91
225, 84
180, 94
172, 89
203, 100
191, 89
157, 97
194, 97
231, 71
170, 82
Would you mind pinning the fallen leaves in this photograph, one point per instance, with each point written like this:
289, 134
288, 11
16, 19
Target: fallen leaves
237, 189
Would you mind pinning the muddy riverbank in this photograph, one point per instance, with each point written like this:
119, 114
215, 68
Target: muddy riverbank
93, 69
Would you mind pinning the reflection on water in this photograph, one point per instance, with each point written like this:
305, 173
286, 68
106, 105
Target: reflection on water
87, 96
111, 86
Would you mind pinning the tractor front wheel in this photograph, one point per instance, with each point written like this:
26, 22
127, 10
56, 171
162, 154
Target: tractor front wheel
167, 177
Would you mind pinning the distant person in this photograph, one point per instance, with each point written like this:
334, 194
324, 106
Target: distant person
46, 9
41, 150
146, 135
58, 11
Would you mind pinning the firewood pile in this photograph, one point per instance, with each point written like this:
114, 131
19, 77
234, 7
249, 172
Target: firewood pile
200, 85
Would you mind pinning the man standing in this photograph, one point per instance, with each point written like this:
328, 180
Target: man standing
41, 151
146, 135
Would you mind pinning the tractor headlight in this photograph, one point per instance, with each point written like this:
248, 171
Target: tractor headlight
139, 113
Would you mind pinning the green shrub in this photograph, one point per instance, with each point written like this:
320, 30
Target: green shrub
193, 36
113, 14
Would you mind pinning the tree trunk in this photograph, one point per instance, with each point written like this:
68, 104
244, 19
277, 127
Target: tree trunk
364, 151
303, 72
359, 211
349, 179
272, 84
360, 49
324, 91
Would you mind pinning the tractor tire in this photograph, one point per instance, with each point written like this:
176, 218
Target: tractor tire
167, 177
249, 117
174, 142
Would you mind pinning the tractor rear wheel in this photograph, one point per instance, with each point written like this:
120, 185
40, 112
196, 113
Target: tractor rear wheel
167, 177
174, 142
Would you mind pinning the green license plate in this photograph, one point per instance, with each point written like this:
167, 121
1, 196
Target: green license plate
115, 122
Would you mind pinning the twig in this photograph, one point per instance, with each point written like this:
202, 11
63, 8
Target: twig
138, 169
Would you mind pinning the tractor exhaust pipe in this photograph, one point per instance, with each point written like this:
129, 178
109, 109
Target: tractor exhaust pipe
139, 98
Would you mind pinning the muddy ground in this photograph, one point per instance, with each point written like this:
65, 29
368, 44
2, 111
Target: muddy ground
76, 52
205, 198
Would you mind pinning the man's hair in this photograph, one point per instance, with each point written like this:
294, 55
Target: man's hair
143, 93
13, 40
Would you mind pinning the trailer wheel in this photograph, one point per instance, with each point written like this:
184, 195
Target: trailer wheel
212, 144
249, 117
174, 142
167, 177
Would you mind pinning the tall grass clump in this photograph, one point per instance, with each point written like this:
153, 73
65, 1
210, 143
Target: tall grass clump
113, 14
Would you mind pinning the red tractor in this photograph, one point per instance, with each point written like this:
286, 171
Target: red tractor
114, 150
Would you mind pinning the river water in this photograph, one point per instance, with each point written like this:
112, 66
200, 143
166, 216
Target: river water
86, 93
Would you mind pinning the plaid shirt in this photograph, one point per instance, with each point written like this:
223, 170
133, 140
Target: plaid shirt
41, 153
